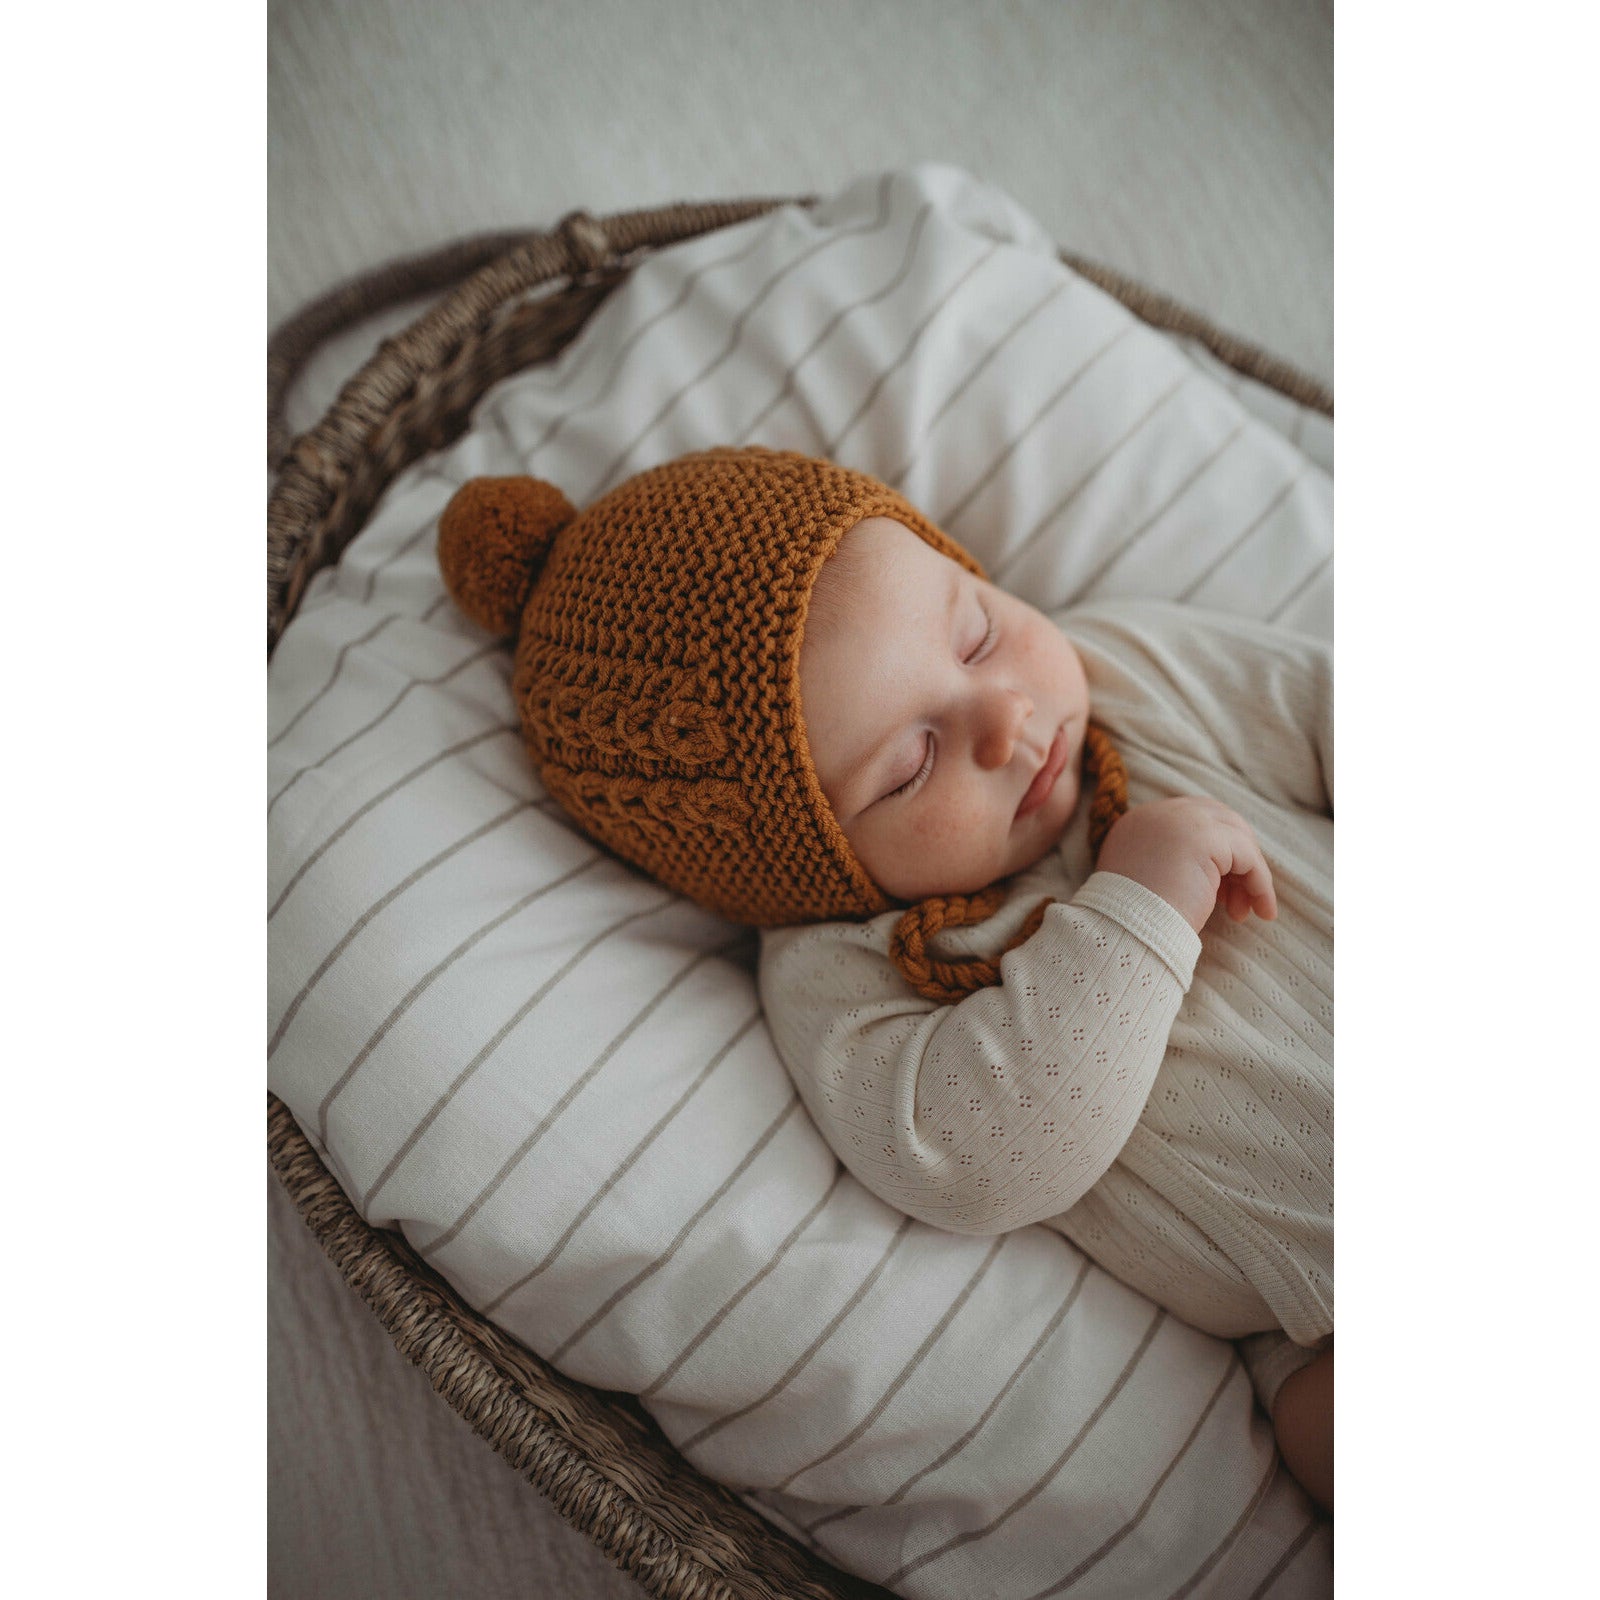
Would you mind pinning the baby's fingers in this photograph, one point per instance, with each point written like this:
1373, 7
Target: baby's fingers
1248, 881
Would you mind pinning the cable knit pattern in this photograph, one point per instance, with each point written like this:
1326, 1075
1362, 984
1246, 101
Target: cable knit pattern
1163, 1100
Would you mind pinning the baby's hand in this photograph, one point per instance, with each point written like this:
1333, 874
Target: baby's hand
1192, 851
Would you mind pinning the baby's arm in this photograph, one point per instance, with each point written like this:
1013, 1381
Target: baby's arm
1003, 1109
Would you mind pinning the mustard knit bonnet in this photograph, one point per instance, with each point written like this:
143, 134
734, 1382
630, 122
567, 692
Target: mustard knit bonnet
657, 669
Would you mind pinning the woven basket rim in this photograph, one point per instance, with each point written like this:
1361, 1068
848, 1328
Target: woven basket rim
600, 1459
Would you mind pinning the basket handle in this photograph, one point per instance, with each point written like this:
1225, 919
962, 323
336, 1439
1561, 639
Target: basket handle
294, 343
507, 263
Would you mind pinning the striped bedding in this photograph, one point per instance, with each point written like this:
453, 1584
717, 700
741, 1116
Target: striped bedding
555, 1077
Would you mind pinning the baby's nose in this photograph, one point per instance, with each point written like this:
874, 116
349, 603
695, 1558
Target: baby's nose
1004, 716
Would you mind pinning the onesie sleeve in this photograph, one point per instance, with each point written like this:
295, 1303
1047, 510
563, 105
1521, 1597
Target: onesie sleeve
1002, 1109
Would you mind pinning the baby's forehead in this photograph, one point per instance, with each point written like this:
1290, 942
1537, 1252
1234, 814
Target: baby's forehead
880, 575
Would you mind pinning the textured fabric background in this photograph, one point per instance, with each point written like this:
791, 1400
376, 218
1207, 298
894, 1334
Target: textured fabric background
1188, 146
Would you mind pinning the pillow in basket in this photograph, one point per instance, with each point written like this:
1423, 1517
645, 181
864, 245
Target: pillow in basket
554, 1076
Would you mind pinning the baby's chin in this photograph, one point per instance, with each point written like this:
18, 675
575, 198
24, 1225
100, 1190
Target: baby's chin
1050, 835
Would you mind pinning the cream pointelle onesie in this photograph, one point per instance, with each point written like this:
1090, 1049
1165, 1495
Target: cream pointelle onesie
1165, 1100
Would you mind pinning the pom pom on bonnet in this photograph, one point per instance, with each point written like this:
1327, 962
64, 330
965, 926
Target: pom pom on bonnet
657, 669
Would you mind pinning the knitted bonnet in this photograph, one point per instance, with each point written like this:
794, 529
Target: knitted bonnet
657, 669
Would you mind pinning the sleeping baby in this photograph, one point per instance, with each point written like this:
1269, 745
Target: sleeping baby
1046, 901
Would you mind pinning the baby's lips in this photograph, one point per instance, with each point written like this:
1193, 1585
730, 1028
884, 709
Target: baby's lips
1047, 777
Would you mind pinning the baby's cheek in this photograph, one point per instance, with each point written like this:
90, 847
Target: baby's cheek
965, 833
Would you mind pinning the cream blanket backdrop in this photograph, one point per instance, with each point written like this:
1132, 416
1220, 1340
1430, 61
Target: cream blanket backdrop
1193, 151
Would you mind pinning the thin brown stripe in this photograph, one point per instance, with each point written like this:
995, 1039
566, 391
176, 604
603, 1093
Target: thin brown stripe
616, 1176
900, 1574
809, 1353
591, 1322
377, 800
422, 983
732, 1303
574, 1089
506, 1029
1095, 1557
954, 1449
416, 683
787, 388
903, 1377
293, 1008
608, 476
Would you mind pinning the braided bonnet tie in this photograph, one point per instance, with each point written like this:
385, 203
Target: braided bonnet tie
949, 981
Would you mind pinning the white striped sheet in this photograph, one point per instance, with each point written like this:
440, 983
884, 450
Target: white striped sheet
1219, 501
1081, 1270
824, 1352
314, 670
439, 859
323, 815
997, 450
840, 371
1284, 1553
1209, 455
1308, 608
851, 1246
1112, 1430
531, 412
822, 309
956, 361
1088, 1569
674, 401
376, 703
790, 1115
835, 1338
1072, 543
529, 1076
1264, 558
469, 1017
914, 1366
1213, 516
897, 368
598, 1173
649, 1011
477, 1076
1306, 429
373, 1004
745, 1288
662, 1148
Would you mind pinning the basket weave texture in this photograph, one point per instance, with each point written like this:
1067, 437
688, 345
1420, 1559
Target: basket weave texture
519, 299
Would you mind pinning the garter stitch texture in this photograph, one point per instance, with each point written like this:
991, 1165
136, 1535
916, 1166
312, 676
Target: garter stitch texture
657, 669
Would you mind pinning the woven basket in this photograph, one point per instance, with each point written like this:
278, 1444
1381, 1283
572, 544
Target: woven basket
515, 300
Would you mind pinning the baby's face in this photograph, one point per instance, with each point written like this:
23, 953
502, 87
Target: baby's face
945, 717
